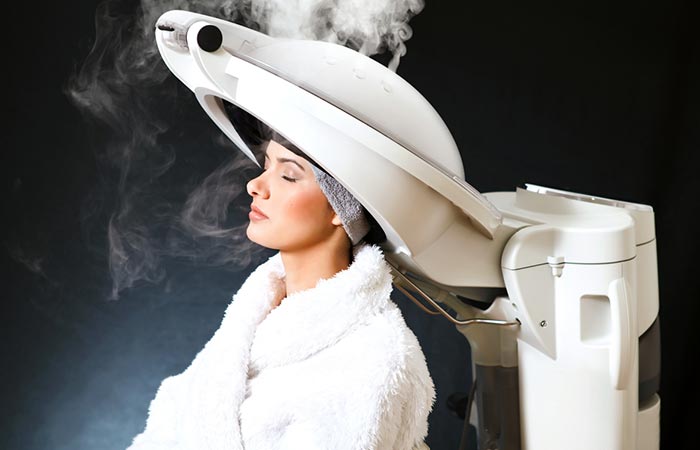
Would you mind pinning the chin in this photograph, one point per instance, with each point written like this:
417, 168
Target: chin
288, 239
255, 235
266, 237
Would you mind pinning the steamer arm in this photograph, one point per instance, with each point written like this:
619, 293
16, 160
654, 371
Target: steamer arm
555, 291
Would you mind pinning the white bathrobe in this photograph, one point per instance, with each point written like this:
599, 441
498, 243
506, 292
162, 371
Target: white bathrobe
332, 367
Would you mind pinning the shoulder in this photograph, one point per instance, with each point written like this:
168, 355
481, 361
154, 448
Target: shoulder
391, 345
395, 374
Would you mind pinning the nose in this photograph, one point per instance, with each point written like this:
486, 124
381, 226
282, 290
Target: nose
257, 187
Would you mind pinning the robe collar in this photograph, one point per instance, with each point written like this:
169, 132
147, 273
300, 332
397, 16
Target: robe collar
308, 321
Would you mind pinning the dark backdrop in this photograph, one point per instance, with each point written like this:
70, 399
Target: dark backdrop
601, 98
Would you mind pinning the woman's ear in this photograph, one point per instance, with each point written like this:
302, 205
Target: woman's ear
336, 220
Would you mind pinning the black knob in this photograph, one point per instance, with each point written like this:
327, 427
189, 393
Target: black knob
209, 38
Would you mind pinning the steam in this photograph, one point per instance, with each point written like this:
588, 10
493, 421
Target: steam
368, 26
133, 102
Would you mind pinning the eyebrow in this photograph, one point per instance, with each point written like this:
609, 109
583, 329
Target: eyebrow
287, 160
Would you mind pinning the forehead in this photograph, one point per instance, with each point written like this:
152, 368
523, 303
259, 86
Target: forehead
275, 150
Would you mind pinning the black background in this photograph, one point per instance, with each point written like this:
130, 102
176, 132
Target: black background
601, 98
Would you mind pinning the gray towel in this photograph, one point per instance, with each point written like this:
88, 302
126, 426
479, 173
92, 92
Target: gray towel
347, 207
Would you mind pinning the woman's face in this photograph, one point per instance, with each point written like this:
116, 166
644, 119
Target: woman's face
289, 211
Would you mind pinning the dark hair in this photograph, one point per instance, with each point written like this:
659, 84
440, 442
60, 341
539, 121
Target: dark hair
256, 134
375, 235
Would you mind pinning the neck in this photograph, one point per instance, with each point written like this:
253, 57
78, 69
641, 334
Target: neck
305, 267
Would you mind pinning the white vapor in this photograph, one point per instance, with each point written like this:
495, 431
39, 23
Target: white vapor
124, 85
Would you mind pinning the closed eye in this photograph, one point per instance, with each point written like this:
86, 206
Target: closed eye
285, 161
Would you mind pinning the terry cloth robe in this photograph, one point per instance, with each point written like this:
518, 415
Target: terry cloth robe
332, 367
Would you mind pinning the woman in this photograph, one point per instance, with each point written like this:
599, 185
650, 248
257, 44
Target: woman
311, 353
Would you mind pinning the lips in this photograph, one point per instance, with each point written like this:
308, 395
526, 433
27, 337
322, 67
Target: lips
256, 213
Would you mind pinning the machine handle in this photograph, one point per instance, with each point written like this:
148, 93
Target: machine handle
622, 334
438, 309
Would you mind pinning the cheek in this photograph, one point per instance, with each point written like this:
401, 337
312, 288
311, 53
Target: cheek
308, 207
